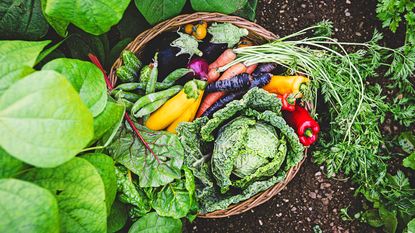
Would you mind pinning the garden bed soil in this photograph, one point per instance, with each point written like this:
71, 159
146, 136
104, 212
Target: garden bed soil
310, 201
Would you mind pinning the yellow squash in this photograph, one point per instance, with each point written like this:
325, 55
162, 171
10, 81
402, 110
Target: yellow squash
187, 116
170, 111
286, 84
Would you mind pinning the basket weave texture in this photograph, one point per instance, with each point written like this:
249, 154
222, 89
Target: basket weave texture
257, 34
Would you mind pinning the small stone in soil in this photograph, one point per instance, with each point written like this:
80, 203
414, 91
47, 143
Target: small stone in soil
313, 195
260, 222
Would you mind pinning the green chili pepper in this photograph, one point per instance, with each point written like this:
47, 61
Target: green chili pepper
151, 107
147, 99
120, 94
175, 75
151, 85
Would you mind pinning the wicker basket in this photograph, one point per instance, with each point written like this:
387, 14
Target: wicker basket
257, 34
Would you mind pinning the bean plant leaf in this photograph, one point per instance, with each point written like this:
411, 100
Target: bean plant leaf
153, 223
248, 11
107, 123
118, 217
21, 52
407, 142
389, 219
86, 78
106, 169
411, 226
80, 192
409, 161
93, 16
227, 7
26, 207
9, 165
22, 19
80, 44
11, 73
43, 122
128, 150
155, 11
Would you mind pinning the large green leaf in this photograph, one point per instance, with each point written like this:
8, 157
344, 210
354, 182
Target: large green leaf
107, 123
389, 219
221, 6
22, 19
106, 169
158, 10
409, 161
153, 223
80, 192
118, 217
80, 44
59, 25
86, 78
43, 122
9, 165
26, 207
128, 150
411, 226
93, 16
11, 73
248, 11
21, 52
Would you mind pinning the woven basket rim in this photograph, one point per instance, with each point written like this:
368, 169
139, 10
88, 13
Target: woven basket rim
256, 32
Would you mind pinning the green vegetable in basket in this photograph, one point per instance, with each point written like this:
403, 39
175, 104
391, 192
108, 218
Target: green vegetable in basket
131, 60
252, 148
187, 45
226, 33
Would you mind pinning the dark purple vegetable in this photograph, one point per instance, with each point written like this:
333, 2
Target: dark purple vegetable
222, 102
261, 80
200, 67
264, 68
235, 83
168, 61
212, 51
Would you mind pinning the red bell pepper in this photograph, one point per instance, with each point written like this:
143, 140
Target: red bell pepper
306, 127
288, 102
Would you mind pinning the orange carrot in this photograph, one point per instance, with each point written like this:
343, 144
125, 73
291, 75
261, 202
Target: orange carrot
213, 75
226, 57
251, 68
211, 98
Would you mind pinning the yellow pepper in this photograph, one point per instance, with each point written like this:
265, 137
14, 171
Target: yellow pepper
187, 116
176, 106
286, 84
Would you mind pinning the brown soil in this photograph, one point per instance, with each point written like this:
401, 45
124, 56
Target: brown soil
310, 200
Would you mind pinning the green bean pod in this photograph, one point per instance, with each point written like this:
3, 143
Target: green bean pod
175, 75
147, 99
151, 85
151, 107
141, 86
120, 94
128, 104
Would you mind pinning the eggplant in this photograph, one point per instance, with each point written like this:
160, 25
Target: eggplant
211, 51
261, 80
169, 62
235, 83
222, 102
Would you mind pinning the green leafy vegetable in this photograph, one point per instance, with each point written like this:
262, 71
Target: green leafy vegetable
158, 10
118, 217
153, 223
21, 52
86, 78
106, 169
80, 192
248, 11
130, 152
187, 45
11, 73
226, 33
407, 142
26, 207
22, 19
43, 120
390, 222
409, 161
107, 122
218, 5
9, 165
95, 17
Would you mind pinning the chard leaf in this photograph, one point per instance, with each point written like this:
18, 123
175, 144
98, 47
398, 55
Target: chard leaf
80, 192
108, 122
11, 73
128, 150
26, 207
86, 78
227, 7
21, 52
118, 217
9, 165
22, 19
106, 169
155, 11
43, 121
93, 16
153, 223
226, 33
